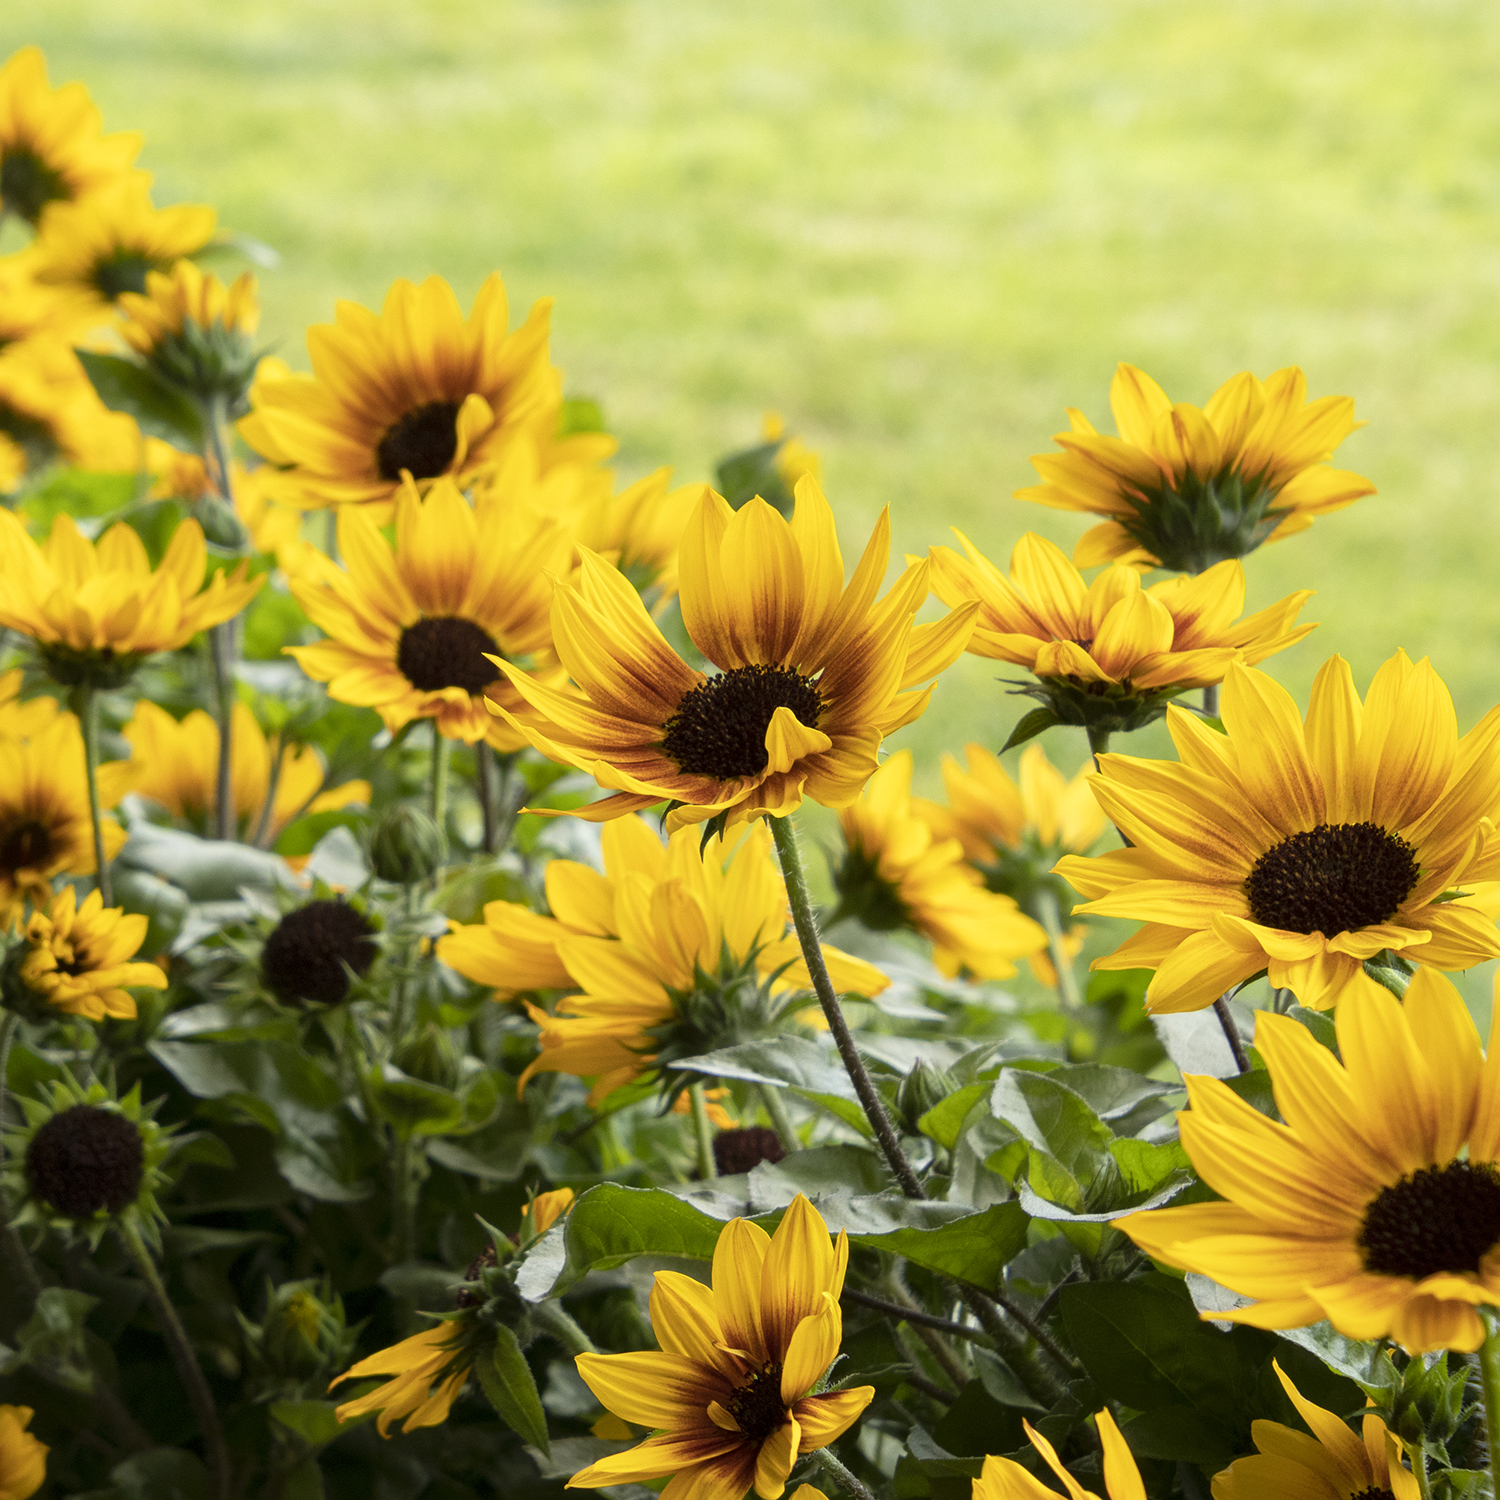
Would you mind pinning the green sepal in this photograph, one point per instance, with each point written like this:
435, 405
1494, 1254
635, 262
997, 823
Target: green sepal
507, 1381
1032, 724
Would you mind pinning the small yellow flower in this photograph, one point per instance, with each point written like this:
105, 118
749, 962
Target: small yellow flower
1005, 1479
1184, 488
896, 874
96, 608
23, 1459
78, 960
718, 1116
429, 1371
184, 296
1332, 1464
730, 1393
546, 1209
177, 764
51, 146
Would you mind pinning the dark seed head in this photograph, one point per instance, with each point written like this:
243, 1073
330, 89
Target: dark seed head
1438, 1219
124, 271
738, 1151
719, 728
24, 846
28, 184
757, 1405
423, 441
472, 1296
84, 1160
1337, 877
304, 956
1373, 1494
445, 651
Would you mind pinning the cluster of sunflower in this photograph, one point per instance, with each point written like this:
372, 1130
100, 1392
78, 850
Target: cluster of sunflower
422, 1071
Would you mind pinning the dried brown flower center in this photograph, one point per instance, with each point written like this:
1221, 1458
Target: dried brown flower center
719, 728
444, 652
304, 957
86, 1159
741, 1150
1437, 1219
1337, 877
423, 441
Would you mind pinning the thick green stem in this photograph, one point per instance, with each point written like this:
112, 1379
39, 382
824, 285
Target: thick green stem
703, 1131
484, 785
1489, 1375
221, 645
86, 706
1098, 744
1051, 919
188, 1368
842, 1477
442, 750
556, 1321
781, 1121
261, 837
1211, 700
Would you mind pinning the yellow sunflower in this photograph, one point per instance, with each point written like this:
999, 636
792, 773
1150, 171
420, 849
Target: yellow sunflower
77, 958
45, 825
729, 1394
95, 608
896, 874
1301, 849
23, 1459
429, 1370
1005, 1479
1111, 653
1377, 1205
193, 330
418, 390
51, 146
29, 309
104, 246
20, 720
659, 920
1332, 1464
1184, 488
413, 630
811, 674
176, 764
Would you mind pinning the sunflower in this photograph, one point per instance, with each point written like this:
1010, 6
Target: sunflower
104, 246
811, 673
1184, 488
51, 148
418, 390
413, 629
730, 1394
1109, 655
1332, 1464
23, 1459
193, 330
641, 941
45, 825
176, 764
896, 874
1299, 849
77, 957
19, 719
1005, 1479
95, 608
29, 309
429, 1369
1377, 1205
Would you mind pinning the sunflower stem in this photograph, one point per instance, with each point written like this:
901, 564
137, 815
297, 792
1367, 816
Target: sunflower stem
557, 1322
785, 833
1211, 700
1489, 1375
781, 1121
1050, 914
188, 1368
845, 1480
484, 786
707, 1168
1232, 1033
86, 706
442, 749
261, 837
1098, 744
221, 645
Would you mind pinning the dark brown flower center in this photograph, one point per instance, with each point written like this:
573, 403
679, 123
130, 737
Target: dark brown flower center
423, 441
444, 652
25, 846
1437, 1219
719, 728
1337, 877
28, 184
86, 1159
737, 1151
304, 957
124, 271
757, 1405
1373, 1494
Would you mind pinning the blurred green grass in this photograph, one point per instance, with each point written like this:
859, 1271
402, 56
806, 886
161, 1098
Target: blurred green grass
918, 231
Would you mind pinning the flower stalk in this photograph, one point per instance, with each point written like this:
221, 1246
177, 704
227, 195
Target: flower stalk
1489, 1376
842, 1477
222, 639
442, 751
703, 1133
1050, 916
85, 703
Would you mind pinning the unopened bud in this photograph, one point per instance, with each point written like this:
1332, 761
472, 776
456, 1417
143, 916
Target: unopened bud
221, 527
924, 1087
406, 846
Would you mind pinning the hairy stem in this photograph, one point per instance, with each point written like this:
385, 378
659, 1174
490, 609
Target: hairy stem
556, 1321
1098, 744
1231, 1033
1489, 1375
707, 1167
1051, 918
86, 706
845, 1480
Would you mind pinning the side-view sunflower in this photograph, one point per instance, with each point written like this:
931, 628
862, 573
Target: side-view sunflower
194, 331
105, 245
676, 951
176, 764
732, 1395
95, 609
812, 674
415, 630
1109, 655
52, 148
1377, 1204
1185, 489
417, 390
1332, 1464
1301, 849
1005, 1479
896, 875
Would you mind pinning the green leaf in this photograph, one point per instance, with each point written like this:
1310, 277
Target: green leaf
1146, 1167
314, 1422
507, 1380
207, 869
1320, 1023
162, 1474
610, 1225
1031, 725
413, 1106
52, 1339
944, 1122
159, 410
1071, 1163
784, 1062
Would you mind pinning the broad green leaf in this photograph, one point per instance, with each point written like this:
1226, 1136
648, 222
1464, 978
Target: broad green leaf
610, 1225
314, 1422
52, 1339
1319, 1023
413, 1106
1146, 1168
507, 1380
162, 1474
1072, 1140
207, 869
159, 411
944, 1122
785, 1062
975, 1248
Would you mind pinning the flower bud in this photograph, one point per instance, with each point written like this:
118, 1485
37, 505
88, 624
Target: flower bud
406, 846
221, 527
924, 1087
299, 1341
1430, 1401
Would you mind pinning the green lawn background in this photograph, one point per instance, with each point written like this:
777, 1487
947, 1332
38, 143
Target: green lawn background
918, 230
